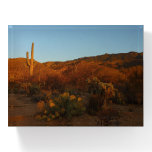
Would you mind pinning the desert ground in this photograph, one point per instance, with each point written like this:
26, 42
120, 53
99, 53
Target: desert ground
22, 112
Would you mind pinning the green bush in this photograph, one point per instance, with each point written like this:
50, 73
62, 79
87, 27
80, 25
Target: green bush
64, 106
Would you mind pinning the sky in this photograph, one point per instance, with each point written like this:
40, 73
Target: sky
61, 43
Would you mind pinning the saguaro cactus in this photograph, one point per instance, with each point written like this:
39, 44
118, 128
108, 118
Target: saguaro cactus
30, 62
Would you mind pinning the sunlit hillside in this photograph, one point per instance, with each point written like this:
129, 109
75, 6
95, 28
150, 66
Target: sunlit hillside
98, 85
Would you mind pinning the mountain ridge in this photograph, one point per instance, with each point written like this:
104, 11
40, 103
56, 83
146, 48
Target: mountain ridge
18, 69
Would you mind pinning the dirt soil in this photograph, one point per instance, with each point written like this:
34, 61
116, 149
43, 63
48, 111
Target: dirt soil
22, 111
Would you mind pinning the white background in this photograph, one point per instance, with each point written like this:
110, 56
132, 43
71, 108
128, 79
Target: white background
69, 12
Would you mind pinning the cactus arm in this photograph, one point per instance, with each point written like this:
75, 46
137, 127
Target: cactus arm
32, 53
30, 62
32, 56
27, 58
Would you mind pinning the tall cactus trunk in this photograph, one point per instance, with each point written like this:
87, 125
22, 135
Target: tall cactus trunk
30, 62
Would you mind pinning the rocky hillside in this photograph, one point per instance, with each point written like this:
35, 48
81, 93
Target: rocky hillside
18, 69
121, 60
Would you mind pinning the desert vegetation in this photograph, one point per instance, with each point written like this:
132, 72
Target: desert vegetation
90, 88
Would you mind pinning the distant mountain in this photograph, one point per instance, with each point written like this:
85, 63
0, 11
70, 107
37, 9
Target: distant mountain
18, 69
121, 60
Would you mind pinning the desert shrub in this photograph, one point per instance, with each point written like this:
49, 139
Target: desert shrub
67, 105
25, 87
41, 106
95, 86
101, 94
118, 98
54, 82
22, 91
42, 96
16, 90
64, 106
34, 89
14, 87
39, 97
17, 87
73, 91
133, 86
95, 103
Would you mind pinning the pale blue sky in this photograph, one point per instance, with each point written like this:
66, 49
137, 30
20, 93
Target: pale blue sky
61, 43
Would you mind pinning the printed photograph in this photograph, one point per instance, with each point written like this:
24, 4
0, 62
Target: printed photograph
75, 75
